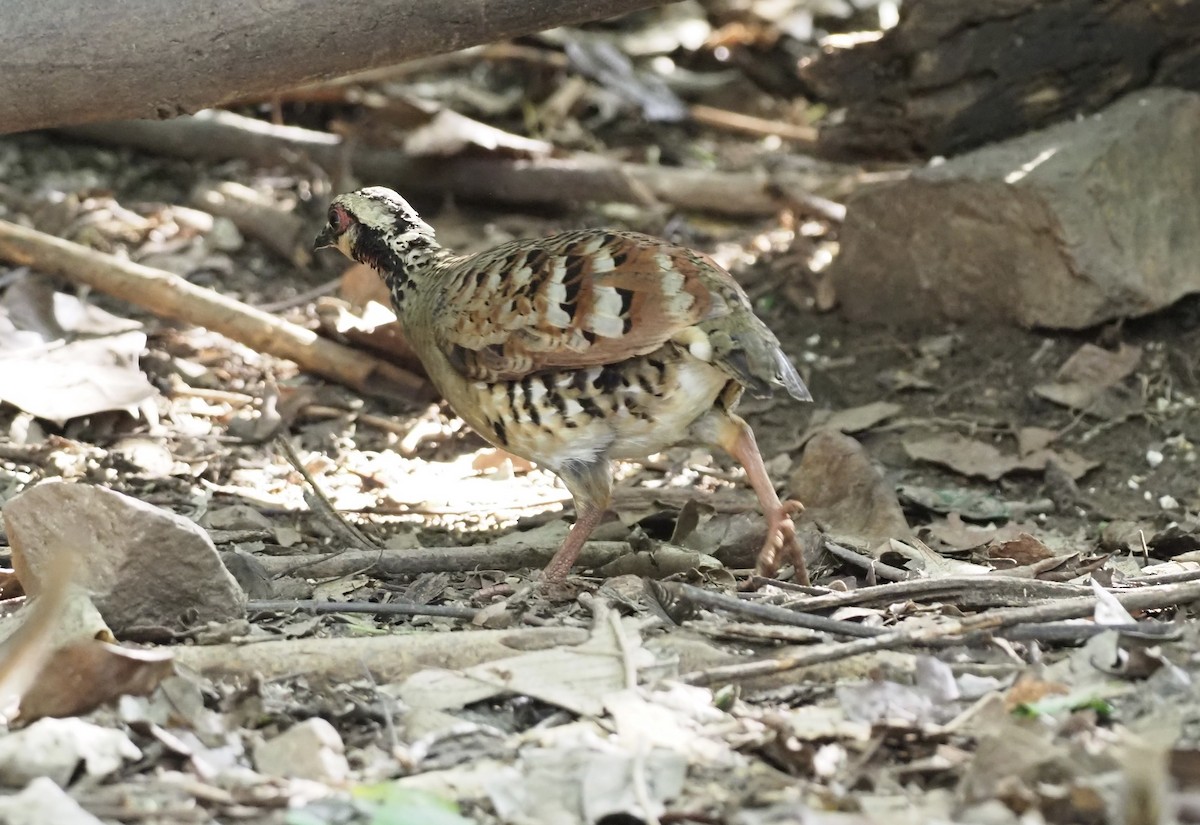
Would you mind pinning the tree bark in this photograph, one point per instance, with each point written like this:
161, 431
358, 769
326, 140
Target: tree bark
68, 61
954, 75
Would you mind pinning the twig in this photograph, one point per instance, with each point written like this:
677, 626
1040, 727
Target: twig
169, 296
767, 612
628, 665
442, 559
751, 125
302, 298
283, 232
325, 509
881, 570
1166, 578
240, 536
1060, 632
1005, 588
1146, 598
374, 608
748, 631
583, 178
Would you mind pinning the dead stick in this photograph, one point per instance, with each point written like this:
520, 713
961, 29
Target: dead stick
374, 608
169, 296
392, 658
940, 588
752, 125
441, 559
218, 135
881, 570
767, 612
1145, 598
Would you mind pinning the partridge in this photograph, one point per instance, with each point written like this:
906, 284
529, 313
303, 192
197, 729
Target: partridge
580, 348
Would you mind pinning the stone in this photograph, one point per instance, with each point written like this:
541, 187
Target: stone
311, 749
143, 566
57, 748
1068, 227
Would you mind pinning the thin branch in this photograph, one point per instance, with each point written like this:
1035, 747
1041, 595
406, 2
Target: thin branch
169, 296
881, 570
981, 589
374, 608
1146, 598
766, 612
217, 135
324, 507
441, 559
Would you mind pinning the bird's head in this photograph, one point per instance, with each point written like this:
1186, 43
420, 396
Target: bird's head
377, 227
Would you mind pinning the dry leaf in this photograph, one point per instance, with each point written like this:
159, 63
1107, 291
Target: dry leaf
27, 648
854, 419
1024, 549
84, 675
84, 377
842, 490
960, 535
1089, 379
979, 459
933, 564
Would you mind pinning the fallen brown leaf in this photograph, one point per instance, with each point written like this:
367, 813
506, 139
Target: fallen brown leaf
1022, 550
83, 675
970, 457
842, 490
1089, 378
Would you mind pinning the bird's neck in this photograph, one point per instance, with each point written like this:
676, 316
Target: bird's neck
405, 264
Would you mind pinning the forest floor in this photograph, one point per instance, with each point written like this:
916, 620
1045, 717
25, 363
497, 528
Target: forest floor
977, 495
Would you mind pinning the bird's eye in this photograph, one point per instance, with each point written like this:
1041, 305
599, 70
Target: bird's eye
338, 218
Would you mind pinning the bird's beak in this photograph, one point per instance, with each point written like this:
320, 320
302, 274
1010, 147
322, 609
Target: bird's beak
325, 238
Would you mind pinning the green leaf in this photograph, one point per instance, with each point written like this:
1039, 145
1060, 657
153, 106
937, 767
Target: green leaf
405, 806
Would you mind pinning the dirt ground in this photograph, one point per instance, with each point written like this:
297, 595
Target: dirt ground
956, 420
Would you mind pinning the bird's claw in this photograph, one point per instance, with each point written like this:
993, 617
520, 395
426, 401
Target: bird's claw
781, 542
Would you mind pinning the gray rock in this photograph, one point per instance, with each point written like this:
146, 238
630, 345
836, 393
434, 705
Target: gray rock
1067, 227
144, 567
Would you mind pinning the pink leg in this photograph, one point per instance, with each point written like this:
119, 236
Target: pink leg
591, 487
585, 522
735, 435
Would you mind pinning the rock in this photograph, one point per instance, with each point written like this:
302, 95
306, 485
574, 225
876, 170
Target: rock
311, 749
43, 801
1067, 227
143, 566
842, 491
55, 748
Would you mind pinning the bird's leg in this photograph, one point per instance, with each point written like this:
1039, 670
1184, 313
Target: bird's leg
736, 437
587, 516
591, 487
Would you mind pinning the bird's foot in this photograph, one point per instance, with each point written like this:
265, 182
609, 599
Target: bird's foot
561, 590
781, 542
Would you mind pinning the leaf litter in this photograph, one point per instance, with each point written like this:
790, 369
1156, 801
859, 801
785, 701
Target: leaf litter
1028, 660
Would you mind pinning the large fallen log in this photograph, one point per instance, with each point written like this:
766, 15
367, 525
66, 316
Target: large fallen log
954, 75
70, 61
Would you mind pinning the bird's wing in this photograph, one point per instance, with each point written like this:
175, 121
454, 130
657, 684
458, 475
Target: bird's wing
576, 300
